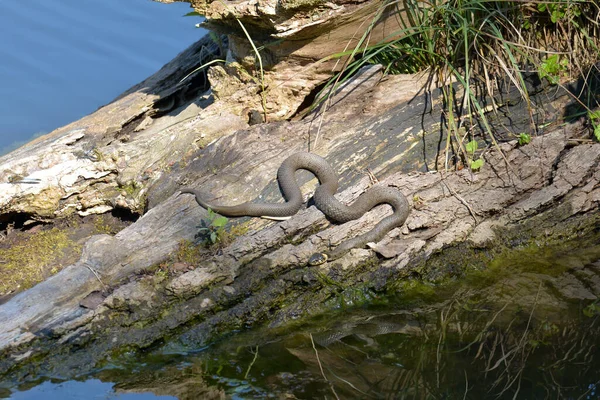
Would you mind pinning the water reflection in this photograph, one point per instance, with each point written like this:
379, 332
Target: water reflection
463, 348
527, 327
89, 389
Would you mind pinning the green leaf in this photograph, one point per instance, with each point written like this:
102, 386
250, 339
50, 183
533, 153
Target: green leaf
591, 310
219, 222
213, 237
524, 139
588, 312
476, 164
471, 146
552, 67
594, 115
597, 132
557, 15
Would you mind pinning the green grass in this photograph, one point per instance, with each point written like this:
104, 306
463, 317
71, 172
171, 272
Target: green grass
479, 44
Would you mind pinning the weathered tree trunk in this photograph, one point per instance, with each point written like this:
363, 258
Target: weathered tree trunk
540, 191
297, 39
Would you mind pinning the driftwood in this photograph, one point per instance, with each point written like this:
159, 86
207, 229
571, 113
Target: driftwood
546, 189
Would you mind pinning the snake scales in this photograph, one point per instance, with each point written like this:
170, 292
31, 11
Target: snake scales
324, 200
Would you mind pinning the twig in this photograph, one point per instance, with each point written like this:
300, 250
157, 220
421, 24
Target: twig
321, 367
349, 384
466, 385
97, 277
465, 203
313, 147
252, 363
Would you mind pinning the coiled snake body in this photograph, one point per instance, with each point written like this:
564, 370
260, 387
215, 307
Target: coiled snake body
324, 200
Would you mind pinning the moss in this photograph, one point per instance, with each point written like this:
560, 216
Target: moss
102, 226
234, 232
23, 265
44, 203
415, 289
188, 252
132, 188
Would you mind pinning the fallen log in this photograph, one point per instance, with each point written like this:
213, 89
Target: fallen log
539, 192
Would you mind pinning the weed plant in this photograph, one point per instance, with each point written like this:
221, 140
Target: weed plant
480, 44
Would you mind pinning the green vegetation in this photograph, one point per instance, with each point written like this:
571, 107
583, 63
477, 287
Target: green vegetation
524, 139
132, 188
592, 310
24, 265
474, 163
595, 119
101, 225
554, 68
213, 230
188, 252
481, 45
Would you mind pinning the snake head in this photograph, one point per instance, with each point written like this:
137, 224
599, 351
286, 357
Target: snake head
318, 259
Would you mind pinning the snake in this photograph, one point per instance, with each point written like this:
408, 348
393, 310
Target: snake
324, 200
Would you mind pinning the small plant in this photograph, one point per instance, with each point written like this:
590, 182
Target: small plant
214, 230
595, 119
552, 68
524, 139
559, 10
474, 164
592, 310
161, 274
476, 44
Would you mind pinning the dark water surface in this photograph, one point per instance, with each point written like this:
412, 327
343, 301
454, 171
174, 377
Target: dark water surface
61, 60
527, 327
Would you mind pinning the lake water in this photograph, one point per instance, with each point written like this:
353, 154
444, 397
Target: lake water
61, 60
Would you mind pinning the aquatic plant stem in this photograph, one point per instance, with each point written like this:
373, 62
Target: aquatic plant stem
255, 352
321, 367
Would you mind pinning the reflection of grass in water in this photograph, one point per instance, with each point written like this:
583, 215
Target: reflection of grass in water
464, 341
461, 348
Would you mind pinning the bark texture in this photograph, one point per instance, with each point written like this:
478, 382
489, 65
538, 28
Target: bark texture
297, 38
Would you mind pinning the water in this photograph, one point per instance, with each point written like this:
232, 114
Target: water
74, 390
61, 60
527, 327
